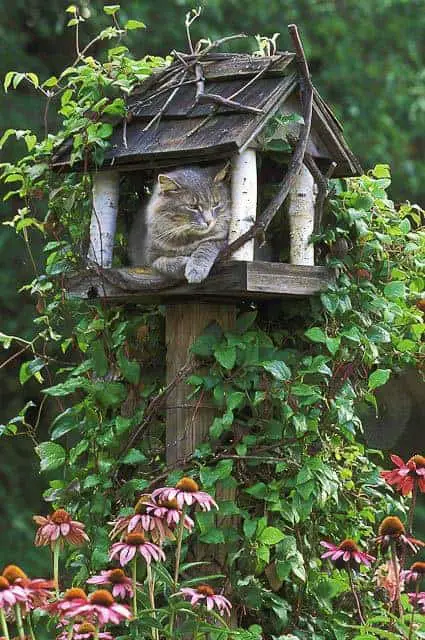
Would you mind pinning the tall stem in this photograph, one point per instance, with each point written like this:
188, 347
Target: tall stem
151, 589
30, 627
179, 548
355, 596
410, 520
19, 622
3, 622
396, 576
412, 619
56, 552
134, 580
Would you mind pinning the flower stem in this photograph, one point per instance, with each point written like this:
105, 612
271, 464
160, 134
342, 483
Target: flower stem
30, 627
96, 633
179, 548
134, 580
412, 508
151, 589
19, 622
56, 552
396, 575
412, 619
3, 622
355, 596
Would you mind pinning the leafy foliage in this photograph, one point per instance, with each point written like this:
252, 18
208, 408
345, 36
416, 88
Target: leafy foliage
288, 389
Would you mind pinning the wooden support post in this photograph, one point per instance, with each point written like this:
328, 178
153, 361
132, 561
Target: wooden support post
301, 218
244, 201
188, 420
104, 217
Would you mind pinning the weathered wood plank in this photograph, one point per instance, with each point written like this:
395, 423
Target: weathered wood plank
231, 280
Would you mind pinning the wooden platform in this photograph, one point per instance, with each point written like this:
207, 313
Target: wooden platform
228, 281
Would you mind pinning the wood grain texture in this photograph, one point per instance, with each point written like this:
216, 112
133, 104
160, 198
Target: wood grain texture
230, 280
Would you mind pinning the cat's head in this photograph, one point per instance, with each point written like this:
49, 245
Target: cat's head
192, 198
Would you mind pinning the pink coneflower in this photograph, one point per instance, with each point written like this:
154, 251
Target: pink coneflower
140, 521
418, 599
84, 631
392, 529
72, 599
38, 590
415, 573
346, 554
386, 577
169, 511
186, 492
102, 608
10, 594
59, 526
204, 594
133, 543
406, 474
121, 584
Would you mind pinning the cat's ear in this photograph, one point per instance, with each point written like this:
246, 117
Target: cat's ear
223, 173
167, 184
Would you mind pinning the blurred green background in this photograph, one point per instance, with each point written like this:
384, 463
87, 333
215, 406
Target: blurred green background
366, 58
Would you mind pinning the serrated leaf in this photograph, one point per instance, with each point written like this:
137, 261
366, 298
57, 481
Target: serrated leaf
378, 378
52, 455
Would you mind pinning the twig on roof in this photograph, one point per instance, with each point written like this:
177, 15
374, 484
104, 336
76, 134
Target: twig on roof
260, 226
220, 100
157, 116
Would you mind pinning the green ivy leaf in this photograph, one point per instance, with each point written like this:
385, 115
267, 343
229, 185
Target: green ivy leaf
134, 456
134, 24
130, 369
245, 320
64, 423
111, 9
378, 378
226, 356
395, 290
52, 455
316, 334
213, 536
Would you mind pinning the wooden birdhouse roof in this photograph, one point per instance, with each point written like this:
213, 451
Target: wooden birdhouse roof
215, 109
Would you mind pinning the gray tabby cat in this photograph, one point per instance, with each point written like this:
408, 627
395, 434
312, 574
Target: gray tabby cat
185, 224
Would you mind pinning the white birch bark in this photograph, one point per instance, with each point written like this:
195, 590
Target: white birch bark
244, 201
104, 217
301, 218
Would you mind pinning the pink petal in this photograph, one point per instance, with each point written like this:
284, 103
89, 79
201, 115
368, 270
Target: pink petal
397, 460
127, 554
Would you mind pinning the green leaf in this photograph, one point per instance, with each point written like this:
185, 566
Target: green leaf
130, 369
52, 455
65, 388
381, 171
213, 536
204, 345
64, 423
245, 321
111, 9
30, 369
316, 334
226, 356
378, 378
278, 369
99, 359
271, 535
134, 24
134, 456
378, 334
395, 290
332, 344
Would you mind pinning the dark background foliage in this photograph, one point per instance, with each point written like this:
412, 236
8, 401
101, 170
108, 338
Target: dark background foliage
366, 58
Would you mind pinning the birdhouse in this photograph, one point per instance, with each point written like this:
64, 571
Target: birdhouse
238, 108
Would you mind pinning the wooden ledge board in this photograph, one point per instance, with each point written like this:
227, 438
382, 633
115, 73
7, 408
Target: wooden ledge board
229, 281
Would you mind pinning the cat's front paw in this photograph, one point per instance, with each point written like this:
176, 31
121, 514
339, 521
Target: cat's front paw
196, 272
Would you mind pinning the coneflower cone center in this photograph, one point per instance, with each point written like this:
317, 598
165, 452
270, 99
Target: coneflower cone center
117, 576
391, 526
135, 538
169, 504
418, 460
348, 545
86, 627
12, 573
418, 567
60, 516
140, 506
4, 583
75, 594
187, 484
206, 590
102, 597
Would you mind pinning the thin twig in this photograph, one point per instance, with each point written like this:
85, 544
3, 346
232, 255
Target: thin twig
322, 182
220, 100
297, 158
15, 355
255, 78
166, 103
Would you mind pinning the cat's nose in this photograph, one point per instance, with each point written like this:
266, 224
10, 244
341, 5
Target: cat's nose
208, 217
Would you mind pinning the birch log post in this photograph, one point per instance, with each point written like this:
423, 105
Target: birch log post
301, 218
104, 217
244, 201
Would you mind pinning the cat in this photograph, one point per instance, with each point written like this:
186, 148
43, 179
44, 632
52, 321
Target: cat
185, 223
